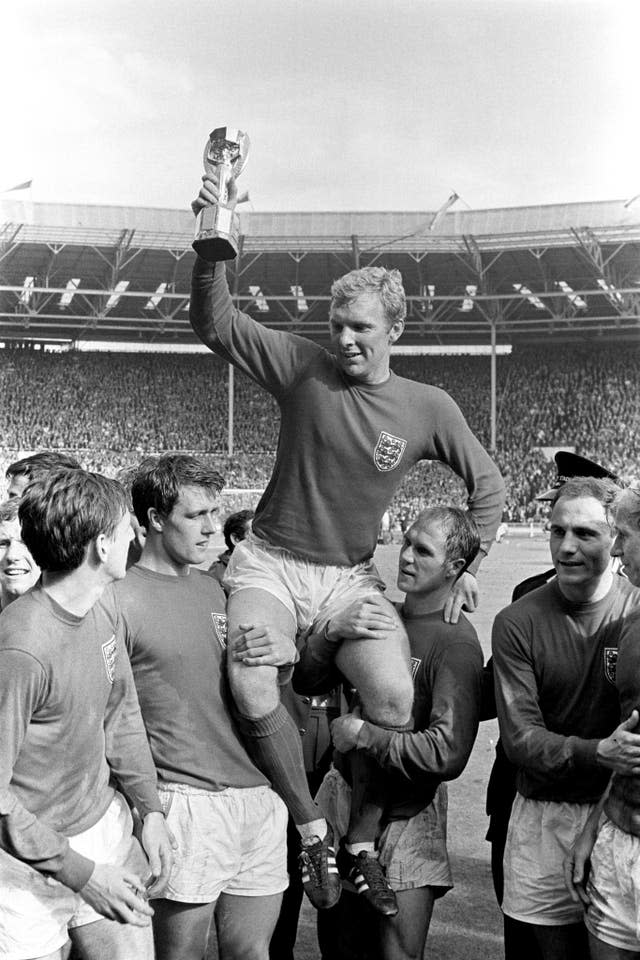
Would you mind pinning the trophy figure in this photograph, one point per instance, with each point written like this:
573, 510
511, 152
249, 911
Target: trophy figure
217, 226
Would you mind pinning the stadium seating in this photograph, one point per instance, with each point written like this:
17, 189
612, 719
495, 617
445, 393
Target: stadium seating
113, 408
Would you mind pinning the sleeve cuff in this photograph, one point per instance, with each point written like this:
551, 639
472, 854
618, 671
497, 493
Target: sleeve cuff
374, 740
75, 871
148, 803
584, 752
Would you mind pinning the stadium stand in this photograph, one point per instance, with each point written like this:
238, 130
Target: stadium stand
562, 275
109, 409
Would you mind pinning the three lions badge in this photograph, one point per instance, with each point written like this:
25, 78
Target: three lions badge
220, 628
388, 452
610, 661
109, 657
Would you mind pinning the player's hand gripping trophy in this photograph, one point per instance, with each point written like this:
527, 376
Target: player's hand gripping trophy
217, 225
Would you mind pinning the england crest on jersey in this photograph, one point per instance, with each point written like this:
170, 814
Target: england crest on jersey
610, 661
388, 452
220, 628
109, 657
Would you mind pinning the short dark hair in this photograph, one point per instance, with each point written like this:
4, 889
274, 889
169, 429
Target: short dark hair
38, 464
62, 512
600, 488
9, 510
462, 539
235, 525
157, 482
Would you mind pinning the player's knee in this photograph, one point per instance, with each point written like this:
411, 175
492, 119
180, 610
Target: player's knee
391, 706
255, 690
251, 943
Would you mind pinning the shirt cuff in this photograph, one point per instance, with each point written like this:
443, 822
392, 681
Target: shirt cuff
148, 802
374, 740
75, 871
585, 752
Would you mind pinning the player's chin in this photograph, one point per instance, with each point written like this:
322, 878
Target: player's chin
199, 553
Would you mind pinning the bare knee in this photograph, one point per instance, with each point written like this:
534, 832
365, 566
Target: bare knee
255, 690
391, 706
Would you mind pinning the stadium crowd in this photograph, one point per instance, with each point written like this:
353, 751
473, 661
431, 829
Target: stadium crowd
586, 397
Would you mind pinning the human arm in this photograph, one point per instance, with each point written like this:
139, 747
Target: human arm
453, 443
23, 687
24, 683
442, 746
273, 358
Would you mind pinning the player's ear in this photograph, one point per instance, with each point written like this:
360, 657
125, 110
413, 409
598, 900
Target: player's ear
100, 547
395, 331
155, 520
454, 568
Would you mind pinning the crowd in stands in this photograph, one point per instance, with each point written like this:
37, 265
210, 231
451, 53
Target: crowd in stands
111, 408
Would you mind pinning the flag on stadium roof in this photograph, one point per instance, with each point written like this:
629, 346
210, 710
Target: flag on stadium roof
449, 202
20, 186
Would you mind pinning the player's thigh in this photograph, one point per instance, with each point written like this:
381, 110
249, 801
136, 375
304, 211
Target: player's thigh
245, 926
604, 951
255, 689
110, 940
403, 937
380, 670
181, 930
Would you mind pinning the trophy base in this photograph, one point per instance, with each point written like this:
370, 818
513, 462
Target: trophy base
217, 234
215, 249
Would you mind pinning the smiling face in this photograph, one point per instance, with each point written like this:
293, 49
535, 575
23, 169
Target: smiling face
627, 542
361, 338
580, 541
186, 532
18, 569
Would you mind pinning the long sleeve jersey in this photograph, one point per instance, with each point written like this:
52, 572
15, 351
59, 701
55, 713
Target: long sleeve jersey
446, 662
343, 446
554, 666
70, 722
175, 631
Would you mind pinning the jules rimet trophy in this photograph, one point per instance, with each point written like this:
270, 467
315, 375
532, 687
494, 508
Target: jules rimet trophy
217, 226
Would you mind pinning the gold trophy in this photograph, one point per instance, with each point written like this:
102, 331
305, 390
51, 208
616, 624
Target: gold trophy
218, 226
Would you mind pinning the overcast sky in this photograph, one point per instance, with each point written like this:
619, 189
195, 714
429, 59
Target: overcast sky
350, 104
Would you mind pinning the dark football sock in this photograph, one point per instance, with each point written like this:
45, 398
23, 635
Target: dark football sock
273, 743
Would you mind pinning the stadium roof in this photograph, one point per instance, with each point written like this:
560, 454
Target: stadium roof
76, 272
